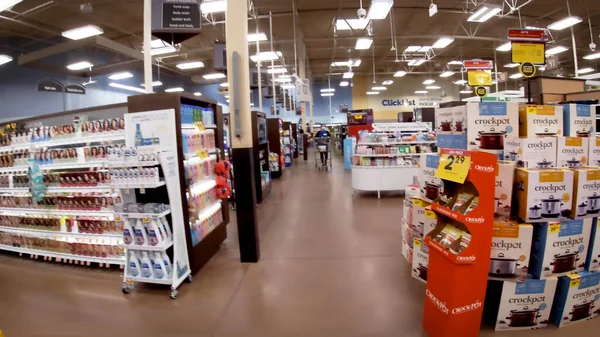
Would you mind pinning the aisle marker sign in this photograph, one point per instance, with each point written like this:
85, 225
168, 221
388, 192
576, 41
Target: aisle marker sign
528, 69
454, 165
479, 72
481, 91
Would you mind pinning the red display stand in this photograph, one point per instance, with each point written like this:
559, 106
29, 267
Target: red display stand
456, 284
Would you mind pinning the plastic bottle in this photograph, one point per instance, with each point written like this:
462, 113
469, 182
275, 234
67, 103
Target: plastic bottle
134, 269
127, 233
167, 262
154, 234
141, 237
138, 135
159, 266
146, 266
167, 228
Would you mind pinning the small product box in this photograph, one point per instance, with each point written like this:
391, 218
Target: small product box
504, 186
489, 123
594, 151
531, 152
451, 127
577, 299
586, 192
520, 306
444, 120
560, 248
431, 185
572, 152
579, 119
420, 261
424, 219
544, 194
511, 246
593, 258
540, 120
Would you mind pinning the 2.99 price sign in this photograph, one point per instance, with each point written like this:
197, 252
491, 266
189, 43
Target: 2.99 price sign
454, 165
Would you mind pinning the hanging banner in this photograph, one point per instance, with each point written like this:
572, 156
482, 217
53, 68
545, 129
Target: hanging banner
302, 90
50, 85
517, 34
176, 20
480, 78
529, 52
478, 65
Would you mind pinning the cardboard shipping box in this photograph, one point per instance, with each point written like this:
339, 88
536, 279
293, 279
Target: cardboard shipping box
593, 258
540, 120
430, 185
504, 186
577, 299
511, 247
490, 123
543, 194
572, 152
420, 261
531, 152
586, 192
579, 120
594, 151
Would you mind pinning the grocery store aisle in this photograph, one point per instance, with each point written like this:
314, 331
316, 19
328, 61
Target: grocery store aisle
331, 266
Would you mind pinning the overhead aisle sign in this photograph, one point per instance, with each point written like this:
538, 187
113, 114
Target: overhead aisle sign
528, 45
479, 72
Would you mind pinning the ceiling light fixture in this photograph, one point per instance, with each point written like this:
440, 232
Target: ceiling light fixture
280, 70
400, 73
214, 6
516, 76
328, 90
412, 49
176, 89
8, 4
288, 86
126, 87
466, 92
154, 84
327, 94
388, 82
373, 92
80, 65
266, 56
120, 76
224, 85
190, 65
455, 63
556, 50
348, 74
197, 94
421, 92
283, 80
213, 76
460, 82
586, 70
592, 56
425, 49
378, 88
363, 43
415, 63
511, 65
427, 82
443, 42
505, 47
82, 32
433, 87
379, 9
565, 23
447, 74
353, 63
484, 13
257, 37
159, 47
344, 83
351, 24
5, 59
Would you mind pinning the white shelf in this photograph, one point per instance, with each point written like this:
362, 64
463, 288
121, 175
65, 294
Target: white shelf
382, 167
86, 189
14, 190
46, 233
63, 256
396, 143
141, 186
14, 169
168, 280
393, 155
66, 166
191, 155
208, 210
108, 137
160, 248
36, 211
143, 215
133, 164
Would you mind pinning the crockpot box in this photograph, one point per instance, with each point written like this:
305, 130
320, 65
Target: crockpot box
572, 152
420, 261
543, 194
511, 246
594, 151
593, 258
577, 299
540, 120
579, 120
520, 306
444, 120
431, 185
531, 152
504, 186
424, 219
451, 127
489, 123
586, 192
560, 248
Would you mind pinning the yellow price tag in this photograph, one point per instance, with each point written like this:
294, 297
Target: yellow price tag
430, 214
417, 243
129, 282
146, 220
454, 165
358, 116
418, 202
575, 283
117, 218
554, 229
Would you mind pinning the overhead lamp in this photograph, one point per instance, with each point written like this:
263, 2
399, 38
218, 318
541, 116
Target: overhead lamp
197, 94
280, 70
460, 82
344, 83
176, 89
214, 6
443, 42
379, 9
542, 67
5, 59
327, 94
414, 63
466, 92
4, 5
351, 24
585, 71
565, 23
82, 32
400, 73
592, 56
427, 82
484, 13
388, 82
224, 85
353, 63
378, 88
283, 80
154, 84
516, 76
412, 49
328, 90
455, 63
363, 43
120, 76
433, 87
126, 87
425, 49
373, 93
511, 65
227, 100
447, 74
159, 47
505, 47
348, 74
226, 96
256, 37
288, 86
213, 76
266, 56
251, 104
80, 65
421, 92
556, 50
190, 65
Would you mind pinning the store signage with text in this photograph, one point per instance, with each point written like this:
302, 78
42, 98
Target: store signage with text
479, 64
517, 34
50, 85
176, 20
75, 89
412, 101
529, 52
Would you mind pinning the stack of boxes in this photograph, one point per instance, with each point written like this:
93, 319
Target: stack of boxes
545, 262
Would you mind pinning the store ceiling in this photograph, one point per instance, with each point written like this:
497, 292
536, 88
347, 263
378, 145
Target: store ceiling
36, 24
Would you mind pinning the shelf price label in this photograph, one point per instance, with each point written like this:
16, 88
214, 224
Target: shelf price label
575, 283
454, 165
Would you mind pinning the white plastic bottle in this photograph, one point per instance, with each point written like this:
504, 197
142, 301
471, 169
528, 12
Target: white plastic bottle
154, 234
159, 266
134, 269
167, 228
141, 238
128, 233
166, 262
146, 266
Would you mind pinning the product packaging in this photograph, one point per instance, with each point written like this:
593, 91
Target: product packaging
572, 152
431, 186
520, 306
540, 120
424, 219
560, 248
504, 186
577, 299
579, 119
420, 261
544, 194
531, 152
451, 127
594, 151
593, 258
586, 192
489, 123
511, 246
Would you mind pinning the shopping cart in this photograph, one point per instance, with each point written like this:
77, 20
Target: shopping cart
323, 153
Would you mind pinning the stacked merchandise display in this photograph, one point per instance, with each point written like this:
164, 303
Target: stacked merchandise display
288, 144
387, 158
276, 147
260, 148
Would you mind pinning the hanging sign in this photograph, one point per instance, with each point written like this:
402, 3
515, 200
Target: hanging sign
528, 69
480, 77
517, 34
478, 65
529, 52
481, 91
454, 165
302, 90
75, 89
176, 20
50, 85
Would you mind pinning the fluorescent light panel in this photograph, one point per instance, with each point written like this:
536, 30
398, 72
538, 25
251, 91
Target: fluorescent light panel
6, 4
447, 74
224, 85
120, 76
348, 74
177, 89
197, 94
516, 76
266, 56
154, 84
455, 63
353, 63
328, 90
349, 24
460, 82
327, 94
511, 65
288, 86
5, 59
213, 6
556, 50
257, 37
213, 76
344, 83
82, 32
379, 9
586, 70
466, 92
373, 92
378, 88
388, 82
565, 23
433, 87
363, 43
443, 42
190, 65
280, 70
484, 13
592, 56
79, 65
427, 82
505, 47
126, 87
400, 73
421, 92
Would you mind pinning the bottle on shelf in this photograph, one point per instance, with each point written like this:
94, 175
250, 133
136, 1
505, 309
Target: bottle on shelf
146, 265
134, 269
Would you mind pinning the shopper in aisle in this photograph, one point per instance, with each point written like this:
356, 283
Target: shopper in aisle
324, 137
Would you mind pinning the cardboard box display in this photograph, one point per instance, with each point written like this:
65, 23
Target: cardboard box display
572, 152
586, 192
577, 299
511, 247
531, 152
424, 219
444, 120
431, 186
406, 246
579, 120
526, 305
560, 248
451, 127
594, 151
543, 194
540, 120
420, 261
593, 258
489, 123
504, 186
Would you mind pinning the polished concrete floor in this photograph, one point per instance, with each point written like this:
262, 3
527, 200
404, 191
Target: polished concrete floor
331, 266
